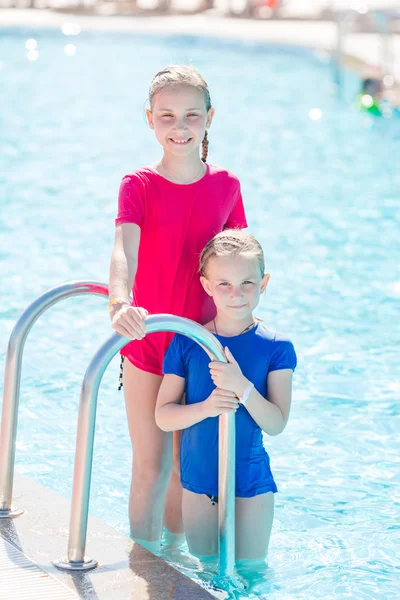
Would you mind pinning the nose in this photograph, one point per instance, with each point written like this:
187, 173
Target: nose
236, 291
180, 124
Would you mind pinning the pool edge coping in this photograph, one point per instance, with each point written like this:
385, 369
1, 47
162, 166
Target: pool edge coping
125, 569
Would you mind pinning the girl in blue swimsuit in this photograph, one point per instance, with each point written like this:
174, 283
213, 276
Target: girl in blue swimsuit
256, 384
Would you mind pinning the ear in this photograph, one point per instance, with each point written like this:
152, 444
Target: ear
210, 116
149, 117
264, 282
206, 285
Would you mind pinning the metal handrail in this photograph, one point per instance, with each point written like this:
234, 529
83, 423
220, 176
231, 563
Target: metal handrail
85, 438
384, 28
12, 379
86, 422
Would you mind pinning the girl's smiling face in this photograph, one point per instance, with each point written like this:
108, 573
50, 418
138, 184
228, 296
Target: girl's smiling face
179, 118
235, 284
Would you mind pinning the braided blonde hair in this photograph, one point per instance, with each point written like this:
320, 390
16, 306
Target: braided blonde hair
182, 75
231, 242
204, 146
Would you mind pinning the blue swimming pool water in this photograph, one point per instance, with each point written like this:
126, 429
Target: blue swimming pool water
322, 196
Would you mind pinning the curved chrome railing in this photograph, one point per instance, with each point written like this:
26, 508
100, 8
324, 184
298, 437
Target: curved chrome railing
86, 423
12, 380
85, 439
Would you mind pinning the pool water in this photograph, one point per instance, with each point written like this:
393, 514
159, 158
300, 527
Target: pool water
322, 195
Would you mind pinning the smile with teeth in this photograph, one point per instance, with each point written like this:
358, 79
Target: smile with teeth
181, 142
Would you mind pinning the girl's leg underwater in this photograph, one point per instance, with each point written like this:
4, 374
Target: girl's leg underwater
200, 520
173, 502
152, 455
254, 517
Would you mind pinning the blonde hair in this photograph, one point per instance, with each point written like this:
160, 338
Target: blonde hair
182, 75
231, 242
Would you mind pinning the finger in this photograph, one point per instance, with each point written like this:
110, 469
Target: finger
142, 323
216, 371
229, 356
231, 405
133, 329
226, 400
136, 311
216, 364
226, 409
133, 326
121, 331
135, 335
135, 323
143, 312
226, 393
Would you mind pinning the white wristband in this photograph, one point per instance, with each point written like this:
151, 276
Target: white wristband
246, 394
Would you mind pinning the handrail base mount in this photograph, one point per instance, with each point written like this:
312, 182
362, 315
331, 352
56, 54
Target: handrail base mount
10, 513
65, 565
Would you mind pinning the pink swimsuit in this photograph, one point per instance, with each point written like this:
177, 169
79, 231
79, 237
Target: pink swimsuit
176, 222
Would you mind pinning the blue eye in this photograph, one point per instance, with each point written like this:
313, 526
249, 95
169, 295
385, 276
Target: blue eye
224, 283
247, 282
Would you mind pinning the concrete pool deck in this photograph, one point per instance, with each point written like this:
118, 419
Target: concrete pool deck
360, 49
29, 543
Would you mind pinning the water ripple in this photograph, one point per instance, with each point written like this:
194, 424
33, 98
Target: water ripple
322, 197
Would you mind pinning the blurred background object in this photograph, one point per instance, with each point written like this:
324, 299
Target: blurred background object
263, 9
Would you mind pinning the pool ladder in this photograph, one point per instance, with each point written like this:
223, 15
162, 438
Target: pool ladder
76, 559
381, 21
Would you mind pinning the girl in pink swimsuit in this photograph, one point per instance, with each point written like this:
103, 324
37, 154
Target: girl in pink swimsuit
166, 215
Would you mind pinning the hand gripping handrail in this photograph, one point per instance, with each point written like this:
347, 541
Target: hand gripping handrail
86, 421
85, 438
12, 379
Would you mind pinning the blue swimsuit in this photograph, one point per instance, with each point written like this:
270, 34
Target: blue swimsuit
258, 352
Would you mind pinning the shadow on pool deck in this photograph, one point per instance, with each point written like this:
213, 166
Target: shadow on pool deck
126, 570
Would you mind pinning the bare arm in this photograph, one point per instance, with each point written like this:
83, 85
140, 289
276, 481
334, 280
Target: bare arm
124, 260
126, 320
172, 415
272, 414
